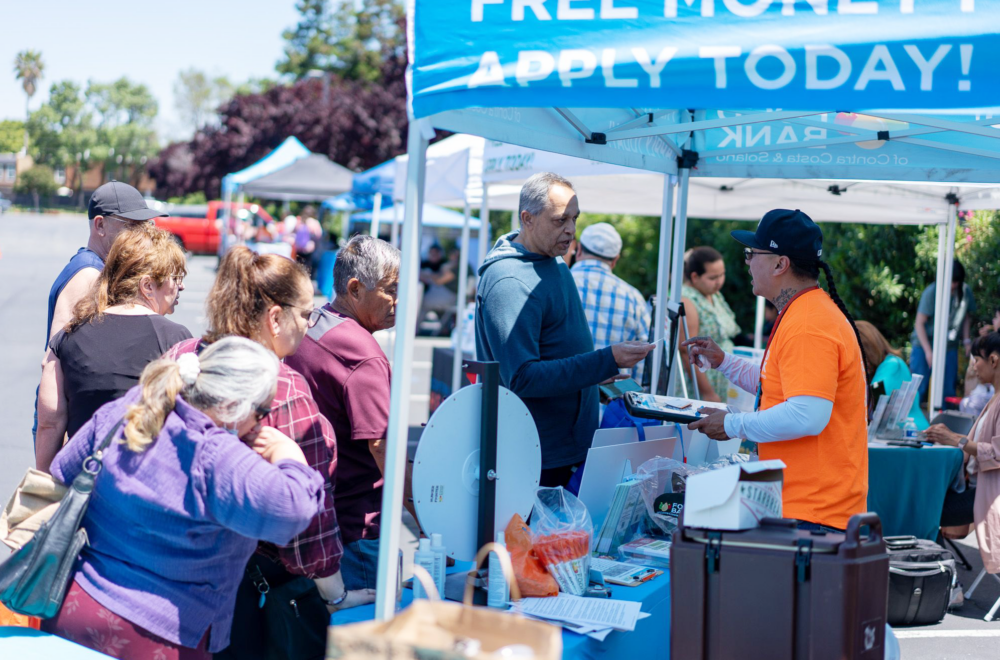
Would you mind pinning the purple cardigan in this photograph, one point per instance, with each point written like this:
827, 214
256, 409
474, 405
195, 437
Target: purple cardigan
171, 528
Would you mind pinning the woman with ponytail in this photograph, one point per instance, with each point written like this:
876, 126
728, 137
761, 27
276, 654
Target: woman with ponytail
811, 386
269, 299
180, 503
116, 330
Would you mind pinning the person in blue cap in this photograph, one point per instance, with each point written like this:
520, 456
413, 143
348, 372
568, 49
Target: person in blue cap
811, 386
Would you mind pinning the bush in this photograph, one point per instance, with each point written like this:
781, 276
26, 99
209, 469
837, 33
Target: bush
37, 181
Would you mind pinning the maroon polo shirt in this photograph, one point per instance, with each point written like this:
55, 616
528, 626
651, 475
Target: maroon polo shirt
350, 380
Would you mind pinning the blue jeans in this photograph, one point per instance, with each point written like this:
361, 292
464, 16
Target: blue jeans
359, 565
919, 365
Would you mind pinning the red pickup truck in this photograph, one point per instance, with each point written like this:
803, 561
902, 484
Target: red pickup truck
198, 227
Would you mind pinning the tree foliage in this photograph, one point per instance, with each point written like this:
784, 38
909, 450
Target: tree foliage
11, 135
37, 181
197, 95
109, 123
349, 39
353, 123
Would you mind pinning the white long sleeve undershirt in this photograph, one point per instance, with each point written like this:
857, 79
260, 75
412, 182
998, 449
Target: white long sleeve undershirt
798, 417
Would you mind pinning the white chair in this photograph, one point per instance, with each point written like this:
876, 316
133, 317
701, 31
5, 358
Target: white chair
979, 578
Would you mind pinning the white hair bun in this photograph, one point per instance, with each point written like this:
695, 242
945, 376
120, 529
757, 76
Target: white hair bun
189, 366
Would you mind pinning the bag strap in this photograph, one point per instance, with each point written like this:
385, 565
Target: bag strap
93, 463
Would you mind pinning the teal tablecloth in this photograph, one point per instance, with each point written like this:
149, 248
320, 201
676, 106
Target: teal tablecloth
906, 487
649, 641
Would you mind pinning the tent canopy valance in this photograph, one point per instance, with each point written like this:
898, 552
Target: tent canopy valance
312, 178
283, 155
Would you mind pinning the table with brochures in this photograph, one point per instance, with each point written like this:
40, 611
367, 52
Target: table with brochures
650, 639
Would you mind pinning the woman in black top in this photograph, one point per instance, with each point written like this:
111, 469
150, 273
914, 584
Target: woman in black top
117, 329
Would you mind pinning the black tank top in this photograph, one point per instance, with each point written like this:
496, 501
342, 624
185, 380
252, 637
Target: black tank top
101, 361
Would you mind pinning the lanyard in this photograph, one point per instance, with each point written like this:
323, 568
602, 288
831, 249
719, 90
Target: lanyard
774, 328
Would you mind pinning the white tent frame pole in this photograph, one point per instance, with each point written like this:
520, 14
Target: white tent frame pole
662, 277
677, 261
515, 221
376, 213
946, 253
394, 233
484, 227
399, 406
463, 285
704, 125
227, 214
758, 327
240, 200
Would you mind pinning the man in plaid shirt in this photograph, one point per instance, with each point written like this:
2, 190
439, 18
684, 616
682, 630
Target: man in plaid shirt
615, 309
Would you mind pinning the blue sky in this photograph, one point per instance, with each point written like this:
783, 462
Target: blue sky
147, 41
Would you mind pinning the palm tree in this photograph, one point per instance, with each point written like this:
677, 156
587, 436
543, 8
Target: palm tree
28, 68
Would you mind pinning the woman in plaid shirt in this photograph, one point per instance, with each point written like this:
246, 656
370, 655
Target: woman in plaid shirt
269, 299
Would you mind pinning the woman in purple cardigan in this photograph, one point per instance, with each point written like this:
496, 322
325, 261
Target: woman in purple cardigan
180, 504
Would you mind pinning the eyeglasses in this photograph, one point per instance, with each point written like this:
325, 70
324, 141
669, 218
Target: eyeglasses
748, 253
314, 316
261, 412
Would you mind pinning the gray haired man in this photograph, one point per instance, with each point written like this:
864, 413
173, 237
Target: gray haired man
530, 320
350, 380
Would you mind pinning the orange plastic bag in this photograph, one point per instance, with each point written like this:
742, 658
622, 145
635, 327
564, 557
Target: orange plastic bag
8, 618
532, 578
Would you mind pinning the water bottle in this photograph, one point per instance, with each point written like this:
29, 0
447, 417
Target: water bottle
910, 431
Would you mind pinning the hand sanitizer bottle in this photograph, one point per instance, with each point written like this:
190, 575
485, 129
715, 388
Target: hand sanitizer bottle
498, 593
440, 562
424, 557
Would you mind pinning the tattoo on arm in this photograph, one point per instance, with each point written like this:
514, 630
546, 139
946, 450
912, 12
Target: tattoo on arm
783, 298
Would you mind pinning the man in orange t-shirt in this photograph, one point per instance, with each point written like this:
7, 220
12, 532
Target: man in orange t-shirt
811, 386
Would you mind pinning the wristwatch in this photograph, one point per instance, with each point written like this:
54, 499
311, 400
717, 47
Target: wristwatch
964, 441
337, 601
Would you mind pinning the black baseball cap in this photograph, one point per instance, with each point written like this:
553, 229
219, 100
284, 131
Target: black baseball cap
789, 233
121, 200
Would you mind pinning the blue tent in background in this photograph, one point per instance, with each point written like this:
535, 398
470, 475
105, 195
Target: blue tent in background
284, 155
433, 216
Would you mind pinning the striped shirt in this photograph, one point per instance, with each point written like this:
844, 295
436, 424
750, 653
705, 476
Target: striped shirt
615, 309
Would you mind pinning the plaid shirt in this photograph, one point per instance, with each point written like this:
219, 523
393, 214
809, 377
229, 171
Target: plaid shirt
316, 551
615, 309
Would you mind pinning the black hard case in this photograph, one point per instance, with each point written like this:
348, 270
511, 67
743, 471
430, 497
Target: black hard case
778, 593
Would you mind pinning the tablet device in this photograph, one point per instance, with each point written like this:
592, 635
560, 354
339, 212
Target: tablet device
617, 389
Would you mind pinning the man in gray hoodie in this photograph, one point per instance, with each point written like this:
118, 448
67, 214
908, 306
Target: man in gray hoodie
530, 320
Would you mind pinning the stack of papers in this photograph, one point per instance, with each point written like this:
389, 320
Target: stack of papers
594, 617
627, 510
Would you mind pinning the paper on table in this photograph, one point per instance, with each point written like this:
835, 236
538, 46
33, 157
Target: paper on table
604, 612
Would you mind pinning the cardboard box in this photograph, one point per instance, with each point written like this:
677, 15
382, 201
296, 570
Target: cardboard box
734, 497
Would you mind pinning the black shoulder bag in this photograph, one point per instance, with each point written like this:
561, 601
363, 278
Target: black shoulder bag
33, 581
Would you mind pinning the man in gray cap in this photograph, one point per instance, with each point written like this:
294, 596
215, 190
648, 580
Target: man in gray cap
113, 207
615, 309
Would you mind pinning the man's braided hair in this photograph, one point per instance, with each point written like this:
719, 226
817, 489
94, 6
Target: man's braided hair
810, 270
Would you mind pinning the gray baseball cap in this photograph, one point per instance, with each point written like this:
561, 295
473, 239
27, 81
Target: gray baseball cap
121, 200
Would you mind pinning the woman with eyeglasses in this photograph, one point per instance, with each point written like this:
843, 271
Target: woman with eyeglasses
269, 299
179, 504
116, 330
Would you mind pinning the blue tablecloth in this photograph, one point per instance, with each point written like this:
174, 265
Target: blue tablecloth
906, 487
27, 643
649, 641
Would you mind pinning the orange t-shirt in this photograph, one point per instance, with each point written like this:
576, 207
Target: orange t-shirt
814, 352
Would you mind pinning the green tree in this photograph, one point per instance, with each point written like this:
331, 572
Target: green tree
28, 68
978, 246
62, 132
37, 181
197, 95
126, 138
350, 40
11, 135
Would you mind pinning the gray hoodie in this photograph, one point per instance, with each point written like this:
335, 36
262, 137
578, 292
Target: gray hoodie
530, 320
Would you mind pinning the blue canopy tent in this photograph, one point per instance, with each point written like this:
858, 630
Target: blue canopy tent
283, 155
647, 85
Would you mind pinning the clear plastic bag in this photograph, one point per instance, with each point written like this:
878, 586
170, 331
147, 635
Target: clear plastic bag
562, 531
664, 481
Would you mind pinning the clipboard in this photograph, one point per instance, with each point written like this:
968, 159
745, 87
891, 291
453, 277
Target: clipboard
666, 408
